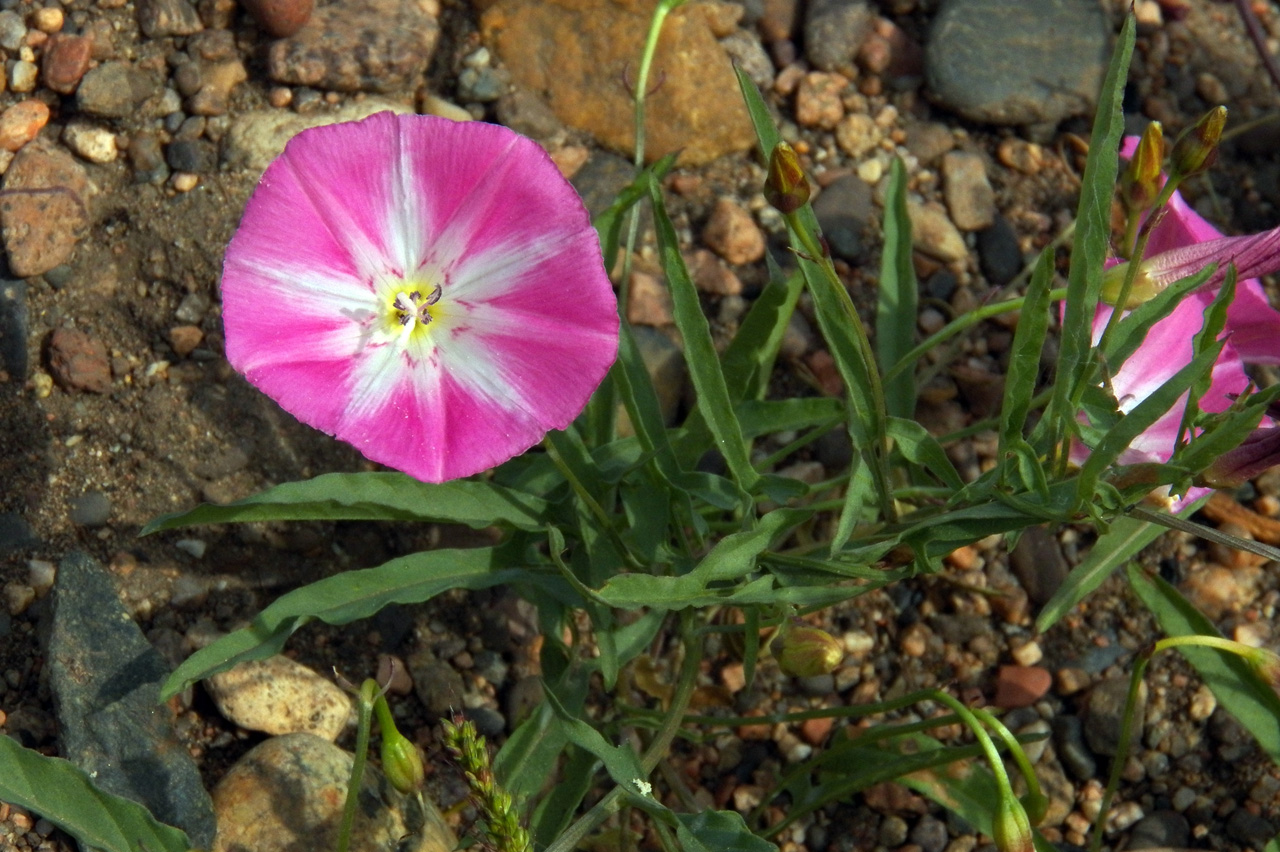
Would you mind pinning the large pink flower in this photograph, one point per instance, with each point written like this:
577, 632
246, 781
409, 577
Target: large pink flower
1253, 326
431, 292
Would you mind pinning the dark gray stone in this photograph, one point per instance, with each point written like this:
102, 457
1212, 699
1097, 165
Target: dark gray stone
1068, 741
1161, 830
147, 158
191, 155
105, 679
438, 685
15, 533
489, 722
13, 329
667, 369
1017, 63
91, 509
1104, 715
843, 210
113, 90
930, 834
600, 180
834, 30
999, 256
1249, 829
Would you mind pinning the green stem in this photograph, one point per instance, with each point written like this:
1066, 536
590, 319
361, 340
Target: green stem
1122, 750
984, 739
1015, 748
657, 749
364, 723
593, 506
960, 324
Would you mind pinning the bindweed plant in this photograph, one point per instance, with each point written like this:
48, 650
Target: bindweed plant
433, 294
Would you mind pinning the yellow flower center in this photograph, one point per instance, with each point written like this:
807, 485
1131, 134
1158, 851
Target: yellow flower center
410, 309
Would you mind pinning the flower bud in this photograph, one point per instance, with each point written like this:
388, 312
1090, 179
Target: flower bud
1140, 182
1257, 454
1197, 148
401, 762
1011, 828
1267, 664
1036, 805
1144, 287
807, 651
786, 187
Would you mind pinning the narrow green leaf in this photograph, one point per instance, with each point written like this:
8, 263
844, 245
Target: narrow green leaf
896, 302
348, 597
700, 352
1237, 686
1024, 356
919, 447
1093, 234
557, 809
1126, 538
608, 224
371, 497
748, 361
62, 793
622, 764
720, 831
764, 417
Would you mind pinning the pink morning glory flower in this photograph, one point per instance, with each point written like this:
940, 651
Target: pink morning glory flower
1181, 244
431, 292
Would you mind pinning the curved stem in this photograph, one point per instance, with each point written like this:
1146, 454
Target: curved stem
364, 716
1122, 750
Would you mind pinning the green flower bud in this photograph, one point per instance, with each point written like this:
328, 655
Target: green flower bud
1140, 182
807, 651
1197, 148
1036, 806
401, 762
1011, 827
1266, 664
786, 187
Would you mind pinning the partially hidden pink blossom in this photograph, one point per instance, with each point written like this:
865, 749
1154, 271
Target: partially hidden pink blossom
1252, 328
429, 291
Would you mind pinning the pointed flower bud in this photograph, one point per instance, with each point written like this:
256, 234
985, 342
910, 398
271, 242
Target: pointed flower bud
807, 651
1197, 148
1257, 454
786, 187
1267, 664
1141, 180
401, 762
1011, 827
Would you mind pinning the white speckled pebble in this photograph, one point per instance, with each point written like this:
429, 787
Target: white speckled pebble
93, 143
279, 696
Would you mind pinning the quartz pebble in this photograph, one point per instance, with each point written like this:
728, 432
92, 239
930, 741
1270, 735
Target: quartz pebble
22, 76
280, 696
91, 142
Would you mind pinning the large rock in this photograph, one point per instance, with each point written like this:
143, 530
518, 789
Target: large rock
357, 46
258, 137
581, 54
1027, 62
43, 209
286, 795
105, 678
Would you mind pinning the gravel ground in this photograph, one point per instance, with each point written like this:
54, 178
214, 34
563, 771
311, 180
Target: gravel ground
132, 131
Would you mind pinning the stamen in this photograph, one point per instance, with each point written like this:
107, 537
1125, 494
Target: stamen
412, 307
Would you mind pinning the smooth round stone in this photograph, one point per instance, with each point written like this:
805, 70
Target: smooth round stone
1028, 62
280, 696
288, 793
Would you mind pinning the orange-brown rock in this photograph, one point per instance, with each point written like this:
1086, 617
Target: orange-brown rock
581, 54
20, 123
66, 59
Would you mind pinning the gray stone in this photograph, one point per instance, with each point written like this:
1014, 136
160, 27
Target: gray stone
164, 18
934, 234
1161, 830
12, 30
1028, 62
999, 255
834, 30
930, 834
482, 85
357, 46
600, 180
489, 722
1068, 741
667, 370
15, 533
527, 113
147, 158
113, 90
191, 155
13, 329
438, 685
1250, 829
748, 54
1104, 714
843, 210
104, 677
91, 509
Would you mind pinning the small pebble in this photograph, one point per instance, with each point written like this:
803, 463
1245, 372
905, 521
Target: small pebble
17, 597
65, 62
20, 123
193, 547
92, 509
22, 76
184, 181
91, 142
732, 233
47, 20
1020, 686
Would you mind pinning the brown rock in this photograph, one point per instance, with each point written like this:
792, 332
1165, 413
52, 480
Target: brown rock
65, 62
819, 100
649, 301
815, 731
216, 82
710, 275
1021, 686
184, 339
20, 123
280, 18
162, 18
968, 193
78, 361
40, 167
732, 233
40, 228
580, 53
357, 45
